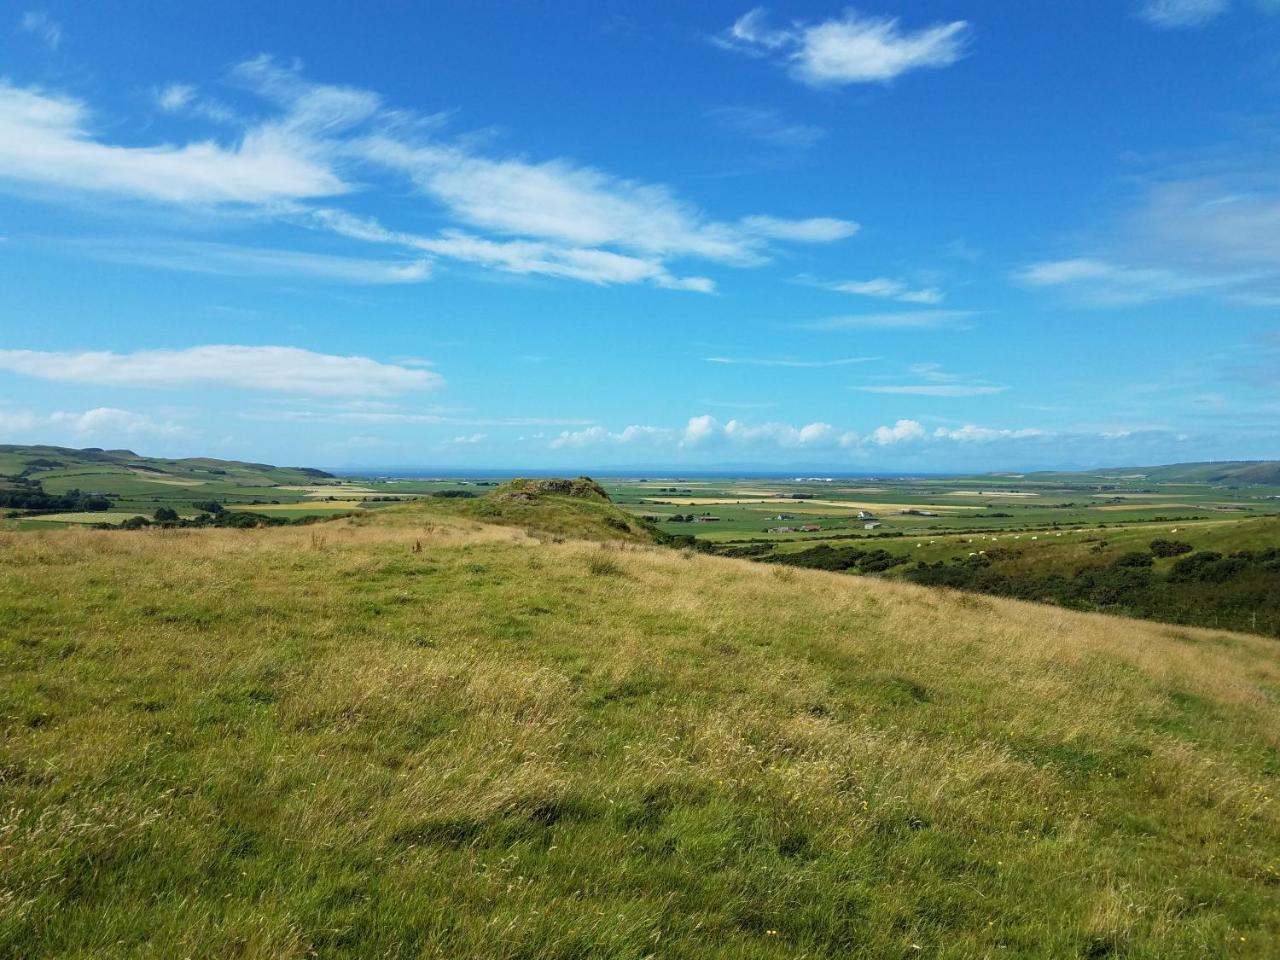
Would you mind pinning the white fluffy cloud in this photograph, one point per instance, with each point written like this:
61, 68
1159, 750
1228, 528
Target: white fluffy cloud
901, 432
851, 49
106, 424
970, 433
287, 369
705, 432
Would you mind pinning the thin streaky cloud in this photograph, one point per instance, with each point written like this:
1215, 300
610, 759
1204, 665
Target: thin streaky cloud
788, 362
1181, 14
766, 126
230, 260
936, 389
883, 288
40, 24
906, 320
271, 368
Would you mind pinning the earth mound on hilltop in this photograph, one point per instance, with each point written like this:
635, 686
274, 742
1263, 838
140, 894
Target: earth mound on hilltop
524, 490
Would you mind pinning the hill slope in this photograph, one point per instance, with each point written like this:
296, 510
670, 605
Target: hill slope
59, 467
414, 734
1241, 472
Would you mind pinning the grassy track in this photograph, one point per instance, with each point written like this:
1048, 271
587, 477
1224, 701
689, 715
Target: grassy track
409, 734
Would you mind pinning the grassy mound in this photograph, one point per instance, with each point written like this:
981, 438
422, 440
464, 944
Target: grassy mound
553, 507
413, 735
530, 491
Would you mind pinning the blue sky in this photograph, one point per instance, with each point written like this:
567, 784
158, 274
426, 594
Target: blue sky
925, 236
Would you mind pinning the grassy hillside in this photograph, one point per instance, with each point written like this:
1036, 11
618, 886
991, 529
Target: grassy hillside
59, 467
1241, 472
1210, 573
414, 734
44, 487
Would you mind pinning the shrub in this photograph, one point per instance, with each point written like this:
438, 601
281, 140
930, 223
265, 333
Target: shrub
1134, 559
1170, 548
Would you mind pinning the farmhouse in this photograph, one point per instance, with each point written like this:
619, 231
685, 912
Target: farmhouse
873, 525
707, 519
781, 530
810, 528
866, 515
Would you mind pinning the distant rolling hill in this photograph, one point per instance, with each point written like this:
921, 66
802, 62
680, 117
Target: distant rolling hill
51, 463
1238, 472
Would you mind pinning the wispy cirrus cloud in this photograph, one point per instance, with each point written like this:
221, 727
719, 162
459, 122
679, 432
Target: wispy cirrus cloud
1177, 14
766, 126
40, 24
551, 217
195, 256
789, 361
936, 389
882, 288
287, 369
931, 380
1104, 283
48, 139
850, 49
904, 320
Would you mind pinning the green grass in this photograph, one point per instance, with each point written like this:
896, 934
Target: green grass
415, 734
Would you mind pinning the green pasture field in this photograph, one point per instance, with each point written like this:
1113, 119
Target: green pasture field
961, 504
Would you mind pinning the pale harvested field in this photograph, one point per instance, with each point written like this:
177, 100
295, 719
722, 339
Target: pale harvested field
991, 494
150, 477
321, 490
92, 516
792, 506
1144, 506
305, 505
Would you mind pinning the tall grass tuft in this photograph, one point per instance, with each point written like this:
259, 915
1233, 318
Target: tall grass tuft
601, 564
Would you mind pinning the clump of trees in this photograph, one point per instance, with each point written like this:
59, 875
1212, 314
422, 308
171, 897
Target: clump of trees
28, 495
168, 519
826, 557
1238, 591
